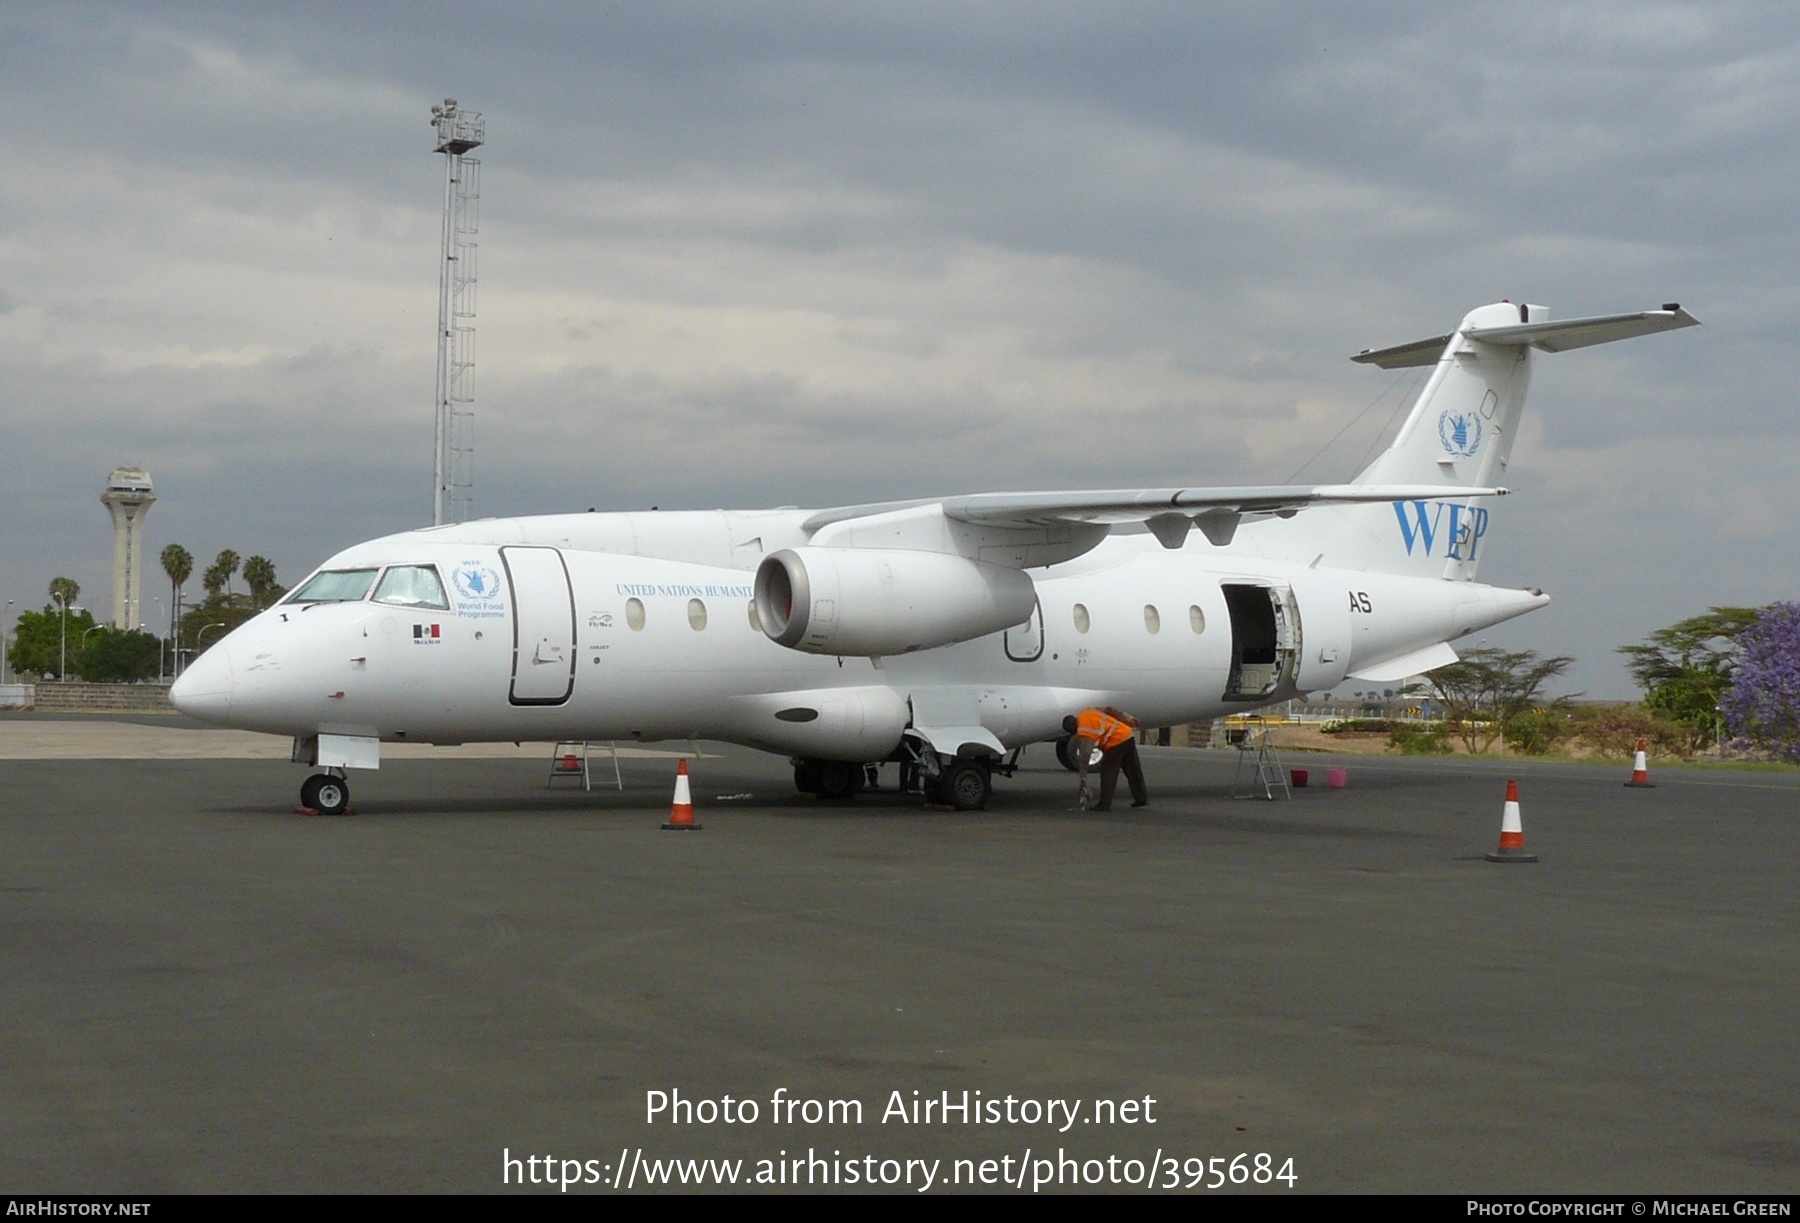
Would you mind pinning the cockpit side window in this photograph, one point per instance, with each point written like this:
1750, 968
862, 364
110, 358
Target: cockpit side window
335, 586
412, 586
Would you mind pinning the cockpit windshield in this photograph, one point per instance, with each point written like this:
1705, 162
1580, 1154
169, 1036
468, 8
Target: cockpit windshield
412, 586
335, 586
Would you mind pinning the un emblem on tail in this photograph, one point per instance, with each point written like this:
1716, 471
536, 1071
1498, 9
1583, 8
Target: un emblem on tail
1459, 431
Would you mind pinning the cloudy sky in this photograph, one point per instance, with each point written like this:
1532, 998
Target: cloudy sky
751, 255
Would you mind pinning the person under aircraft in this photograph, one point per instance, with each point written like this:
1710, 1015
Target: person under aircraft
1114, 733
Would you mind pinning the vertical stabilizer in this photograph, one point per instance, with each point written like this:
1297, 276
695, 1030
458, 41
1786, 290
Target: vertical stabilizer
1459, 435
1460, 430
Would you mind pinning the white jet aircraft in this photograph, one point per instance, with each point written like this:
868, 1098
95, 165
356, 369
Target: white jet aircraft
944, 632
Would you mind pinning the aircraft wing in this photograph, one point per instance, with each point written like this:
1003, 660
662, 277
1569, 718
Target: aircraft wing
1141, 505
1168, 512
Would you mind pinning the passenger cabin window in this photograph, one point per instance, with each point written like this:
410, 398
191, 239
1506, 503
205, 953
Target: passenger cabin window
1152, 619
335, 586
1197, 618
1081, 618
634, 614
412, 586
755, 620
696, 615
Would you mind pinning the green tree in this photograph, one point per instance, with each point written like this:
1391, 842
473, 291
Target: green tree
227, 564
37, 645
1533, 732
259, 575
1685, 669
207, 622
117, 656
178, 563
204, 624
64, 591
1489, 687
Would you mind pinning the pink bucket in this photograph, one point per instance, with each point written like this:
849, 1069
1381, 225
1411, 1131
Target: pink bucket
1337, 779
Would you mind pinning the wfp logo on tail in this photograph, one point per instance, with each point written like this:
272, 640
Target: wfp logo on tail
1460, 432
1461, 534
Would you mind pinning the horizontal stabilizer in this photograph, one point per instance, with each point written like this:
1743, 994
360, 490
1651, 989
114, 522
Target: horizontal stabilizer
1550, 336
1580, 332
1405, 356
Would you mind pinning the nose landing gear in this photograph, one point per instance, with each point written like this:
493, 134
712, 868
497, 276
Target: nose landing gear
325, 793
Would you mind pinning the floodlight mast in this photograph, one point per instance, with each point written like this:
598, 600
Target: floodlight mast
458, 132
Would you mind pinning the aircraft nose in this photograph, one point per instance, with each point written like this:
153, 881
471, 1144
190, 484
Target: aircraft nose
204, 689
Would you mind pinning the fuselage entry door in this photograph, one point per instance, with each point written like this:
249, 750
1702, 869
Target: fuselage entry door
1325, 608
543, 626
1265, 638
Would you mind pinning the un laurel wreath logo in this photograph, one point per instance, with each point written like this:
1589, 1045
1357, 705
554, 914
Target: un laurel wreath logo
476, 582
1460, 432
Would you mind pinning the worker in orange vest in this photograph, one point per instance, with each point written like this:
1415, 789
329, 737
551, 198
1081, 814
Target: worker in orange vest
1114, 732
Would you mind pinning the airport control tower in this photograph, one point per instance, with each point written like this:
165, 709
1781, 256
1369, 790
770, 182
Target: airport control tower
127, 498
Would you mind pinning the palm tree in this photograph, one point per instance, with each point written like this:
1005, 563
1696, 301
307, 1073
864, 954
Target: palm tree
227, 563
178, 563
214, 579
259, 574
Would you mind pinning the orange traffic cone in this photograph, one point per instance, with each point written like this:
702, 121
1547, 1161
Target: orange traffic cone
1512, 832
1640, 770
681, 815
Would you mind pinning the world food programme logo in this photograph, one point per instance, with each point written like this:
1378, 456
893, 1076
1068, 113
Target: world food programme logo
1460, 432
476, 582
479, 589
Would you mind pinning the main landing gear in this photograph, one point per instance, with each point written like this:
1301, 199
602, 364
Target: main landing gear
326, 793
829, 779
964, 784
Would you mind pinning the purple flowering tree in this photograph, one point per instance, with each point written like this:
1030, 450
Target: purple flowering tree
1763, 703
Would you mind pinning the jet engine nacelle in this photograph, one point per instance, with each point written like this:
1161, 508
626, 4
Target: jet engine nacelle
868, 602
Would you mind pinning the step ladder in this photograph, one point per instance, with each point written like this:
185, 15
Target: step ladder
570, 761
1259, 772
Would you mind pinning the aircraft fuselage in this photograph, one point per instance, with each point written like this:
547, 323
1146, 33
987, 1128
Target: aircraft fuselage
547, 638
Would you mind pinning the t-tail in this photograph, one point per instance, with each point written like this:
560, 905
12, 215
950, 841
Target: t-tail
1460, 434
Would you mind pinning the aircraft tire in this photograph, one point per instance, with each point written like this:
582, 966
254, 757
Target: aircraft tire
807, 776
838, 780
966, 785
325, 794
1063, 757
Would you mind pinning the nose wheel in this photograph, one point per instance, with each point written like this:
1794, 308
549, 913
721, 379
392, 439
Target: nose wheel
325, 793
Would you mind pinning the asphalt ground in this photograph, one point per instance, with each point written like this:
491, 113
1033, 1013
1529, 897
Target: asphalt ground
204, 991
